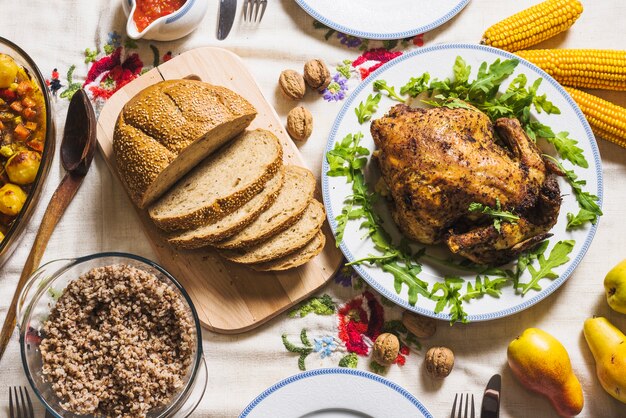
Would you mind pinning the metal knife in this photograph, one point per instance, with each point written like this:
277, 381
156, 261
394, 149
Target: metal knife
491, 398
228, 9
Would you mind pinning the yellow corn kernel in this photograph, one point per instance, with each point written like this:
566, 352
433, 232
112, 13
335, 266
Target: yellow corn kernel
590, 68
607, 120
533, 25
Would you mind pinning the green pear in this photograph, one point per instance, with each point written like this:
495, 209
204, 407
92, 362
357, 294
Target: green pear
615, 286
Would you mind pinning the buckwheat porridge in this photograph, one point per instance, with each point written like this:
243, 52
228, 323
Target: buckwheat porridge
118, 343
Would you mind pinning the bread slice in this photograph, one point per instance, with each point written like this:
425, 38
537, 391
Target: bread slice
290, 204
234, 221
168, 128
295, 259
283, 243
222, 183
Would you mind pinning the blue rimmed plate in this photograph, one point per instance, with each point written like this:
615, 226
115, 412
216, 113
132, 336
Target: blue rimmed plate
335, 393
388, 19
438, 61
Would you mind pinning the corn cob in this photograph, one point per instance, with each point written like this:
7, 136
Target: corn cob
591, 68
607, 120
533, 25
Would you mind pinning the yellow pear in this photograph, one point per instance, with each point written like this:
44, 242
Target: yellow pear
608, 346
615, 287
541, 364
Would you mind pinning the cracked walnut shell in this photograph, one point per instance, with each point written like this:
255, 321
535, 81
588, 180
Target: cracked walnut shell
419, 325
292, 84
316, 74
386, 349
439, 362
299, 123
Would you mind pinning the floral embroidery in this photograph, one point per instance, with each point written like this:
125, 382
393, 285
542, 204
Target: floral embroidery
357, 327
336, 90
345, 276
54, 84
325, 346
351, 361
322, 305
304, 350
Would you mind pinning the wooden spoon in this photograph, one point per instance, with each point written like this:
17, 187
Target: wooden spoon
77, 150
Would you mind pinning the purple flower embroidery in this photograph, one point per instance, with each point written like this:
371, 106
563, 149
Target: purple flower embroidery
115, 39
336, 90
344, 276
349, 41
325, 346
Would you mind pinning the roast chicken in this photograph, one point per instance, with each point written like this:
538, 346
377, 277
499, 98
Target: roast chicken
436, 162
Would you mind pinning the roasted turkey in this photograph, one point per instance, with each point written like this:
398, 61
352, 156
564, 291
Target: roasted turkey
436, 162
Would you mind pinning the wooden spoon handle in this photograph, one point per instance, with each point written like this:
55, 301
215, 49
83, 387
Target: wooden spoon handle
60, 200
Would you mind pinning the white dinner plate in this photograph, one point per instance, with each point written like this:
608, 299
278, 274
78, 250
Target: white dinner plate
335, 393
438, 61
382, 19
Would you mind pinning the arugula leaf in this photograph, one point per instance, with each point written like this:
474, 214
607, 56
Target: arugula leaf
365, 110
527, 258
450, 103
491, 287
416, 85
567, 149
558, 256
381, 85
586, 201
461, 71
580, 219
497, 214
489, 79
451, 296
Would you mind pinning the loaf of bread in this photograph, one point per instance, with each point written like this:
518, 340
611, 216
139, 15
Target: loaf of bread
289, 206
221, 183
295, 259
233, 222
168, 128
286, 242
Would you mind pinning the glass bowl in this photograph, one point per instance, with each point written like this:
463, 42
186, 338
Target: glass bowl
14, 234
38, 298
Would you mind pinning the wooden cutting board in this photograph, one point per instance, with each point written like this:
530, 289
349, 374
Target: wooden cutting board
229, 298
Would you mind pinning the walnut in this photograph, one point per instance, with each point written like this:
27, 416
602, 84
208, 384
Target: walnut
316, 74
292, 84
386, 348
419, 325
299, 123
439, 362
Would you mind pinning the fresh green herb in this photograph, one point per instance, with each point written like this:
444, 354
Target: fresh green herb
381, 85
450, 296
497, 214
485, 286
365, 110
416, 85
589, 208
558, 256
567, 149
526, 258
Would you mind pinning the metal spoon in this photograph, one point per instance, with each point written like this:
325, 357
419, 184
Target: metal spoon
77, 150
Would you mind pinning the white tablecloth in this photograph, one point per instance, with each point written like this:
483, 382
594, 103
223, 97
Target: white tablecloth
101, 218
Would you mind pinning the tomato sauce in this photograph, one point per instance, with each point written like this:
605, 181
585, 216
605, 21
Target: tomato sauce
147, 11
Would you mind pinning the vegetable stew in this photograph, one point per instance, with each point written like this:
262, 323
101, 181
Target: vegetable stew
22, 137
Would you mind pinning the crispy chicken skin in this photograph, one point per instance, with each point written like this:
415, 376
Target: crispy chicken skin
437, 161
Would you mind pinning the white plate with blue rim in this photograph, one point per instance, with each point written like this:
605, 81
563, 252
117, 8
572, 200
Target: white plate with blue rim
335, 393
438, 61
377, 19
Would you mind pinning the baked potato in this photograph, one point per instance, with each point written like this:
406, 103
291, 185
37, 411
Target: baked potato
12, 198
23, 166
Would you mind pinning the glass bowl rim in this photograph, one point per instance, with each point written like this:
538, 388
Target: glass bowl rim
71, 262
19, 223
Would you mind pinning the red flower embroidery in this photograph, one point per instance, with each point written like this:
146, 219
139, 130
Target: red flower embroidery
355, 322
113, 73
381, 55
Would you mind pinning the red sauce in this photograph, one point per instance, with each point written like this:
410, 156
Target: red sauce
147, 11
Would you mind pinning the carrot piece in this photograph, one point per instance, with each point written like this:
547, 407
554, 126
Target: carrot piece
28, 102
21, 132
24, 87
17, 106
29, 113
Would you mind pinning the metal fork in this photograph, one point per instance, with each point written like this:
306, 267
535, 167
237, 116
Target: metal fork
252, 7
459, 413
23, 408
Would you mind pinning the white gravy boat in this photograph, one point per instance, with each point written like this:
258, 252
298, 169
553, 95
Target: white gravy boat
169, 27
